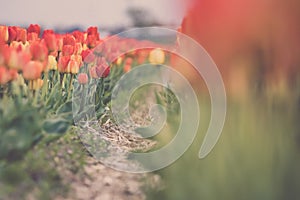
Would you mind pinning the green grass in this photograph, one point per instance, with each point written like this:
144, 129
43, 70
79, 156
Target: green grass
257, 156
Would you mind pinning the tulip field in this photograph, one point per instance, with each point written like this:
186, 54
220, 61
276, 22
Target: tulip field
56, 107
39, 70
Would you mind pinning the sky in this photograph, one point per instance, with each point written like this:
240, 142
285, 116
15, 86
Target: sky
84, 13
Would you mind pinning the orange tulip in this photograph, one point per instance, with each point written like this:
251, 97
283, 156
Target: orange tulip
4, 34
10, 57
39, 51
73, 65
22, 59
50, 41
63, 63
21, 35
59, 41
32, 36
32, 70
127, 68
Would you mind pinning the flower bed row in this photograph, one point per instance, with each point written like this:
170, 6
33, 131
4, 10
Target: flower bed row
39, 70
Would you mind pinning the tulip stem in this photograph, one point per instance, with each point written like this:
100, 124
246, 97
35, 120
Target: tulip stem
70, 86
35, 97
45, 86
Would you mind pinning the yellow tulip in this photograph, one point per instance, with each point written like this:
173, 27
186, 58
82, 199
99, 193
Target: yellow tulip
157, 56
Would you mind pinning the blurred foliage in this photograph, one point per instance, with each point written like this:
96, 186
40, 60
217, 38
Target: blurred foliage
257, 156
41, 173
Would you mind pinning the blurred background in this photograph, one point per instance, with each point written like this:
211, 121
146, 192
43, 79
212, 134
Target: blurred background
255, 44
113, 15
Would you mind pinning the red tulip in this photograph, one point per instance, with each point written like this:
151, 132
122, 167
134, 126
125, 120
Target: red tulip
69, 40
93, 30
103, 70
39, 51
12, 33
63, 63
34, 28
51, 42
3, 34
79, 36
32, 36
59, 41
67, 50
88, 56
83, 78
32, 70
47, 31
91, 41
21, 35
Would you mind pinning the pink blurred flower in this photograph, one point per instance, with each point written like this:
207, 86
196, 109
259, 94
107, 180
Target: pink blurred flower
83, 78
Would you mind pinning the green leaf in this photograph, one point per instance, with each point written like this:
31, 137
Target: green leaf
65, 108
56, 126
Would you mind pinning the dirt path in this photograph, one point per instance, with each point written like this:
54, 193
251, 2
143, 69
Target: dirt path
99, 182
102, 183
